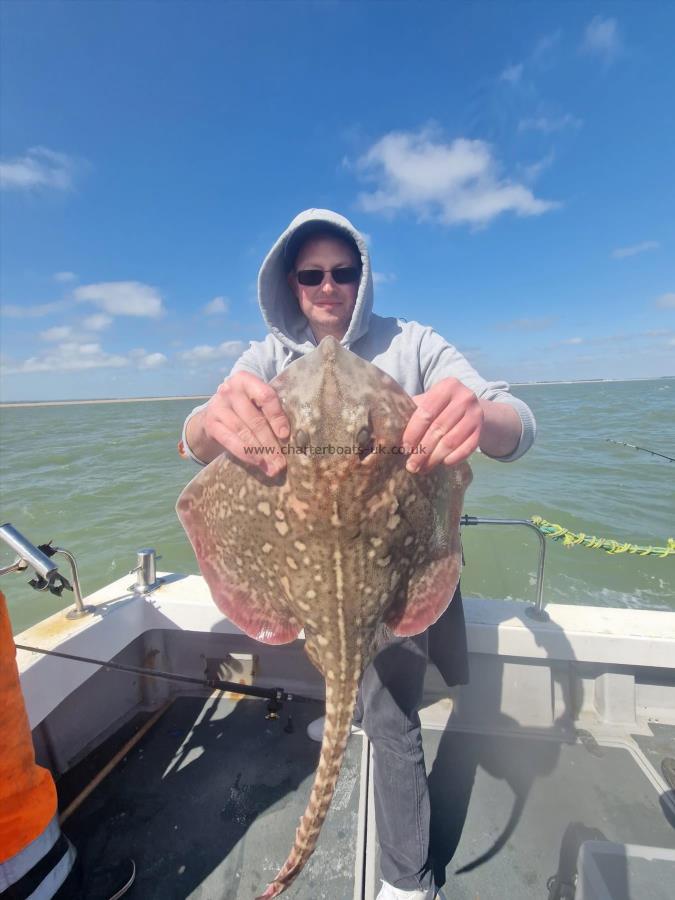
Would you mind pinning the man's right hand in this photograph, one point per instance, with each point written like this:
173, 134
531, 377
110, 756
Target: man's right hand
244, 417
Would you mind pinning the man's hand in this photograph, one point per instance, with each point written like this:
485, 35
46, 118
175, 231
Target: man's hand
446, 426
245, 418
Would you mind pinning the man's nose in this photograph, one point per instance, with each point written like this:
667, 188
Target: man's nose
328, 287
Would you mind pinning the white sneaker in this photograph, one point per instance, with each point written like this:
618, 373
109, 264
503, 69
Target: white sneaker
315, 729
389, 892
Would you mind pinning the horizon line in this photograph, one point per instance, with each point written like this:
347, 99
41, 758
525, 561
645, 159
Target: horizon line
6, 404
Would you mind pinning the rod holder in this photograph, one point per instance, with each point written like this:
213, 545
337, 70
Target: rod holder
31, 556
26, 552
145, 571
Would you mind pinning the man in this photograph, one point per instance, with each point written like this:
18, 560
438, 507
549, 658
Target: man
317, 281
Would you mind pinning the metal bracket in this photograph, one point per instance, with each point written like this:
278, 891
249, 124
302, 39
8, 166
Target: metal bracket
536, 611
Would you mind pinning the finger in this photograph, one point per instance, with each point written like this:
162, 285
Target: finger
243, 395
267, 400
462, 452
424, 449
226, 432
416, 428
429, 406
428, 445
444, 443
445, 446
465, 430
254, 429
242, 443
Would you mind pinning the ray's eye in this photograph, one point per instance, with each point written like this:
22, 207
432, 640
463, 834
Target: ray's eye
301, 439
364, 441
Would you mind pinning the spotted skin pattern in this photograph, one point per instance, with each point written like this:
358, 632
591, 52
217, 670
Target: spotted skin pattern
348, 546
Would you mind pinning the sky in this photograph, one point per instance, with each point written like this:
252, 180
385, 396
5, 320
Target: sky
511, 165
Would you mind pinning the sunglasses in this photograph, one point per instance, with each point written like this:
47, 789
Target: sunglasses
340, 275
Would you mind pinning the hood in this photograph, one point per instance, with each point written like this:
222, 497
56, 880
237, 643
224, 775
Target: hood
280, 307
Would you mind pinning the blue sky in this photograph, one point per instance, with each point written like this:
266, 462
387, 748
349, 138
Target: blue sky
511, 164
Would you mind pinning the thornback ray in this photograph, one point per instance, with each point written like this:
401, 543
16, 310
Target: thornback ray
345, 543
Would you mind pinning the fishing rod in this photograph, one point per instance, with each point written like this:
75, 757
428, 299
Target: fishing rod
644, 449
276, 695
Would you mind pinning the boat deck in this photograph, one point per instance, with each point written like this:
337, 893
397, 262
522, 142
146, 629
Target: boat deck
208, 801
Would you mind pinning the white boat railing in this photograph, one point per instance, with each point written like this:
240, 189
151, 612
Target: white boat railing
537, 611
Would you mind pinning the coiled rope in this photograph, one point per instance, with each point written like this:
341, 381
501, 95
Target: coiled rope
609, 545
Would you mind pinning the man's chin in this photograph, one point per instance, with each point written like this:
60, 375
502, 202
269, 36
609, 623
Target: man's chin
329, 314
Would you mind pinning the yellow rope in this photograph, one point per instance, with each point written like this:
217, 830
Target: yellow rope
609, 545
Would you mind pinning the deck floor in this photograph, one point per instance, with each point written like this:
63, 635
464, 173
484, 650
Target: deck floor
208, 803
510, 812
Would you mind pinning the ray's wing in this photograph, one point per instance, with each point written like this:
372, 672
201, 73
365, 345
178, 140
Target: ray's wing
434, 578
230, 515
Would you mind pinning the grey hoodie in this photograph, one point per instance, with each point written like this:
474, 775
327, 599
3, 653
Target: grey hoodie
414, 355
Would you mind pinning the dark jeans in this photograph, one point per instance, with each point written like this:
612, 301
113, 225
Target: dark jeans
387, 710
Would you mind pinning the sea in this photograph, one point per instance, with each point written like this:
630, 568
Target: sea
102, 479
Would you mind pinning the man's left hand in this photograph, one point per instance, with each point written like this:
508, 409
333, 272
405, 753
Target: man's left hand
445, 427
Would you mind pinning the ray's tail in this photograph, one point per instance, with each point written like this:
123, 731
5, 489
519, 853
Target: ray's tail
340, 703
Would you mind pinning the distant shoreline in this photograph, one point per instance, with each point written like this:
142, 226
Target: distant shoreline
107, 400
590, 381
25, 403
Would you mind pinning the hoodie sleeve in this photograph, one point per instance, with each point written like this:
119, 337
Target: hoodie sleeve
439, 359
259, 359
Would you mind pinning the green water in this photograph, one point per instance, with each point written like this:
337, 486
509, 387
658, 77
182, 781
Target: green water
102, 480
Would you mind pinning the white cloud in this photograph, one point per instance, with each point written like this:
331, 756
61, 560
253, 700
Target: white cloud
64, 277
537, 324
666, 301
39, 168
152, 361
450, 183
601, 38
546, 44
534, 170
97, 322
70, 333
205, 353
383, 278
122, 298
58, 333
633, 250
548, 125
68, 357
76, 352
512, 74
218, 306
603, 340
17, 311
538, 58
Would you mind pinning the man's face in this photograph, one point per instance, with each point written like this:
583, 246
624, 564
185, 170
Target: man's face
328, 306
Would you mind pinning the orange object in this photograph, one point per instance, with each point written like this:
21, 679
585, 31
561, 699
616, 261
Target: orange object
27, 791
